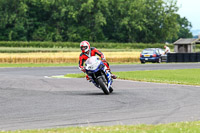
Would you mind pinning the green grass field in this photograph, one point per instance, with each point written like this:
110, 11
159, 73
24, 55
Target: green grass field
181, 127
179, 76
65, 49
49, 64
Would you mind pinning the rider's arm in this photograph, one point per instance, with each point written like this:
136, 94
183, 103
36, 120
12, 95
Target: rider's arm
99, 53
81, 61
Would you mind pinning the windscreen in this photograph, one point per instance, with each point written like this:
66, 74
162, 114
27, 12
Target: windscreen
147, 52
91, 60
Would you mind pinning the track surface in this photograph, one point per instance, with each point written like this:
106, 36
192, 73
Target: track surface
28, 100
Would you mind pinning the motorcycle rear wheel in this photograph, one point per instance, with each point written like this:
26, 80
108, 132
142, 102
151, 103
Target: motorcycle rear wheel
103, 86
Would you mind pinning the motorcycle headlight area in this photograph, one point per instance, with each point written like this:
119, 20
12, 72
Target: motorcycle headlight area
92, 66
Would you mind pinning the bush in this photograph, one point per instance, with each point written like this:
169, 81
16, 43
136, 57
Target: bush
106, 45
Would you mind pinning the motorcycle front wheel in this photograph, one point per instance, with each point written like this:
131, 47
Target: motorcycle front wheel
103, 86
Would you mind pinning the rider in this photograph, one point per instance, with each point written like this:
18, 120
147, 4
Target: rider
87, 52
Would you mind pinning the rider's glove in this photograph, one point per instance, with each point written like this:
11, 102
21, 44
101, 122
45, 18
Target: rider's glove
103, 60
83, 69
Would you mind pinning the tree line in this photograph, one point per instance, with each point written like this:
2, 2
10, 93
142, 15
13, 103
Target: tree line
146, 21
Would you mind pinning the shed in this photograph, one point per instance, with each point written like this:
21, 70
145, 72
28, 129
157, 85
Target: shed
185, 45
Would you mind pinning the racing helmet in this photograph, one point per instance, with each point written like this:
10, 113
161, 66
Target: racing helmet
85, 46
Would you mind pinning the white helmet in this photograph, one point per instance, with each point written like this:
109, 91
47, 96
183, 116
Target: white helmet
85, 46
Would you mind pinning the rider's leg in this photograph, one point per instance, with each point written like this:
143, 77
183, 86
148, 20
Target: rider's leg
108, 68
87, 77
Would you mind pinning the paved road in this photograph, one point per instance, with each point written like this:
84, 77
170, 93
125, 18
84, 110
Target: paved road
49, 71
28, 100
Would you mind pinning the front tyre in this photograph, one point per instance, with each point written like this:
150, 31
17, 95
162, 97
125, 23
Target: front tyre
103, 86
110, 89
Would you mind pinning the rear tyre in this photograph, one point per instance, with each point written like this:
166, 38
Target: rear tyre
142, 62
103, 86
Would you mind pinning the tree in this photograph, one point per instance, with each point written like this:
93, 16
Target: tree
125, 19
92, 15
184, 27
93, 20
160, 24
13, 17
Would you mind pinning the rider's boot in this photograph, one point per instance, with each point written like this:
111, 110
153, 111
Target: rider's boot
87, 78
113, 76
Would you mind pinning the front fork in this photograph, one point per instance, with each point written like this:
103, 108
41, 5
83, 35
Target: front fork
106, 75
109, 78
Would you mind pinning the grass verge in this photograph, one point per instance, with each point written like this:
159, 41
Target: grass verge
179, 76
65, 49
50, 64
181, 127
75, 75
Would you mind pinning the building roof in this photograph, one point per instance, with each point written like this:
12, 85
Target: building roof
187, 41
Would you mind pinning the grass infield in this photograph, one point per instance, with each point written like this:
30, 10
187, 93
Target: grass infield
50, 64
180, 127
179, 76
65, 49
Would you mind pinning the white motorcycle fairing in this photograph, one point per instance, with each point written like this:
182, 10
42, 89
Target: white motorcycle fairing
96, 70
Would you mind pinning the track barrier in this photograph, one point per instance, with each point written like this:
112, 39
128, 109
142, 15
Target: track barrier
183, 57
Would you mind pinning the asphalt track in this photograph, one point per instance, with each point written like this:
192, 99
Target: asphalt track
31, 99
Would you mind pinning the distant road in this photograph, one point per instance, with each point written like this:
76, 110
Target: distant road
49, 71
155, 66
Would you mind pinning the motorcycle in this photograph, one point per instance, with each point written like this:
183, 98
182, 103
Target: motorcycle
98, 74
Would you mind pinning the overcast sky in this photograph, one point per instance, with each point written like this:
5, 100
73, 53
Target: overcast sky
191, 10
